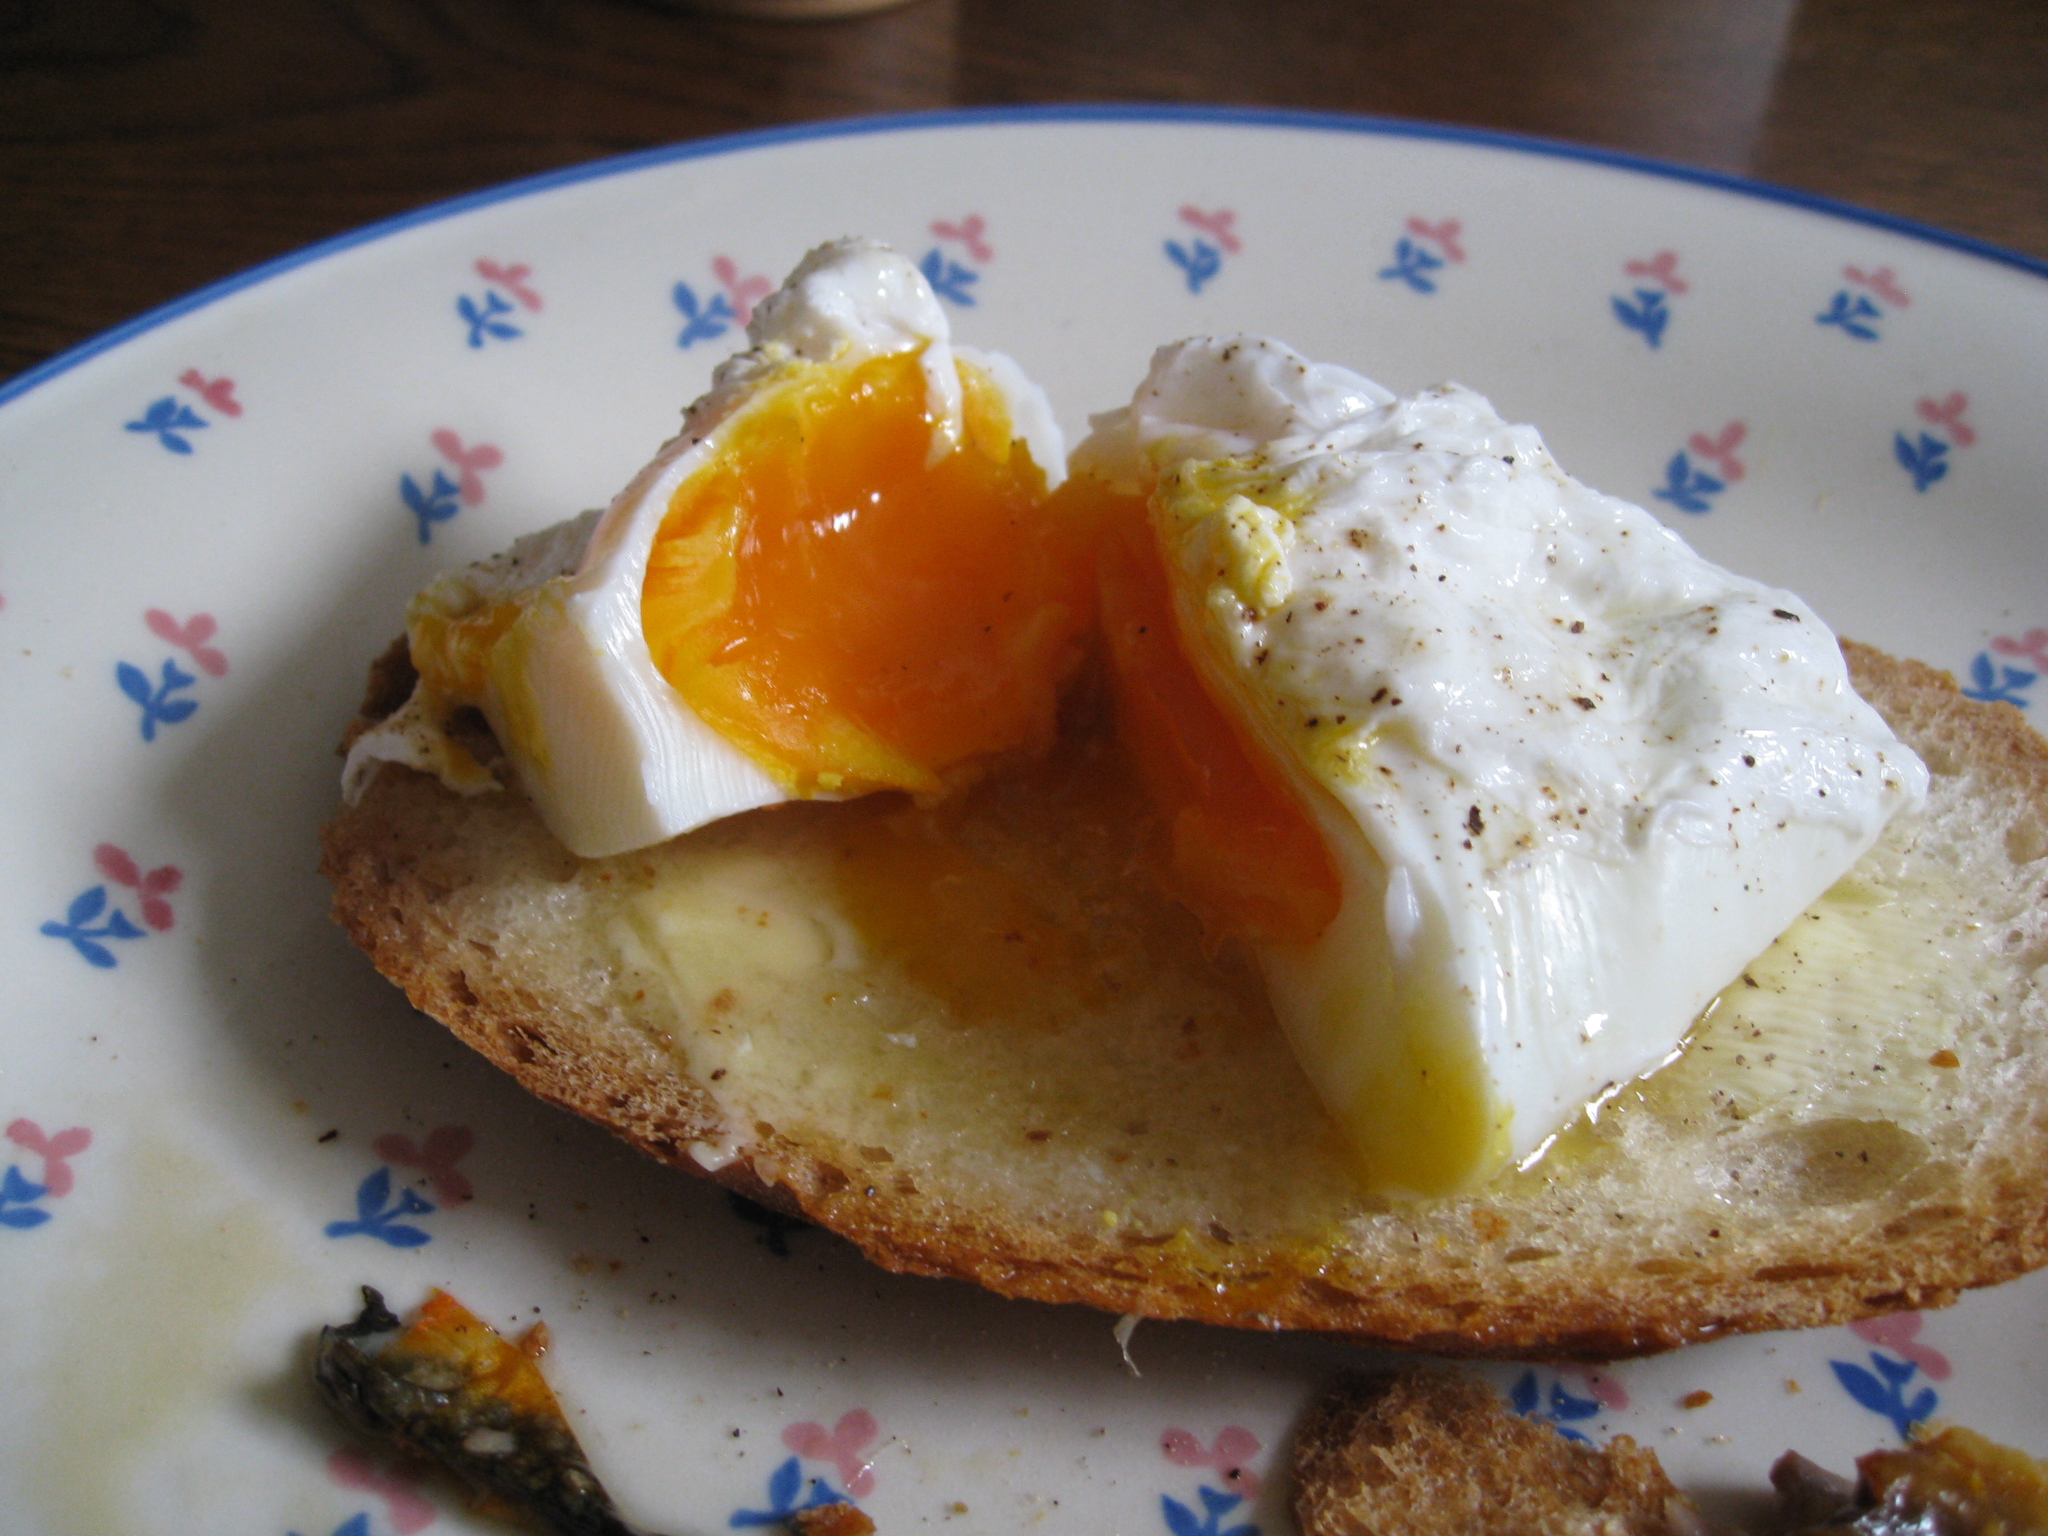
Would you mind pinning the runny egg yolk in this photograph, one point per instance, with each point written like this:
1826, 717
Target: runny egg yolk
852, 614
1246, 854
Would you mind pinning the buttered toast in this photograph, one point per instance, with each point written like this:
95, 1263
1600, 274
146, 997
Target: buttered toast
978, 1042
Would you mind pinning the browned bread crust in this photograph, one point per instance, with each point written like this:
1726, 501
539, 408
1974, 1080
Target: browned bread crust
1432, 1453
1213, 1191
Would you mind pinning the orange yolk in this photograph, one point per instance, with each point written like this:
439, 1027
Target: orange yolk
853, 616
1247, 855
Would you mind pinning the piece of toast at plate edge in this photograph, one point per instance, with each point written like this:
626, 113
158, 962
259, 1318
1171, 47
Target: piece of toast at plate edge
1137, 1138
1424, 1452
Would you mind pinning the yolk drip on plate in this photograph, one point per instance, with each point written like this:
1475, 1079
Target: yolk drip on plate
1246, 855
853, 615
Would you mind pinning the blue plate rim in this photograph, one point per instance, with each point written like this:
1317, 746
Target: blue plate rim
1073, 112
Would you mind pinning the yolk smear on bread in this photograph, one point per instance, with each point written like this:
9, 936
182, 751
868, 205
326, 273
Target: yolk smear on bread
969, 933
1014, 904
1246, 854
853, 615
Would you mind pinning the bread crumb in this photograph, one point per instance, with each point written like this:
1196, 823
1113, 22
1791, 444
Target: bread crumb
1426, 1451
834, 1519
1698, 1399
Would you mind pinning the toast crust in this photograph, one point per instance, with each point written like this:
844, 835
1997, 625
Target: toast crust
1574, 1260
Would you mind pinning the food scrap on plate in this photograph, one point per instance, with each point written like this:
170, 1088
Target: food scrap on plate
450, 1390
1417, 1452
1948, 1482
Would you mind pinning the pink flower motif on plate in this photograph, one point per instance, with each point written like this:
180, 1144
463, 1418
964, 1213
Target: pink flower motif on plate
2033, 645
55, 1151
469, 463
745, 290
1948, 412
513, 279
1883, 282
1720, 449
1227, 1455
218, 393
1899, 1333
1604, 1389
436, 1157
1446, 233
845, 1445
190, 637
1222, 224
1661, 269
152, 886
969, 232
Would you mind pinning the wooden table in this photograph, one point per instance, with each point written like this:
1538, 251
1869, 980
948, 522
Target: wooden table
150, 146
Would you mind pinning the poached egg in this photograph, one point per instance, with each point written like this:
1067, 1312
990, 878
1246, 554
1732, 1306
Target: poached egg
1499, 779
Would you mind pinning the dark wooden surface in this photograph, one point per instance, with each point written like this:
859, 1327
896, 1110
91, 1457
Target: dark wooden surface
150, 146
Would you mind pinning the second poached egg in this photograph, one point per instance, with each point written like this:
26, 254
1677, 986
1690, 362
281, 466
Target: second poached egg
1501, 781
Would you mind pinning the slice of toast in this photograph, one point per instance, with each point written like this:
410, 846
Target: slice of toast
977, 1042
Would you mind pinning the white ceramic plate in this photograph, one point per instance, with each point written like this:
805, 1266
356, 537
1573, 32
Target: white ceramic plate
219, 1122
